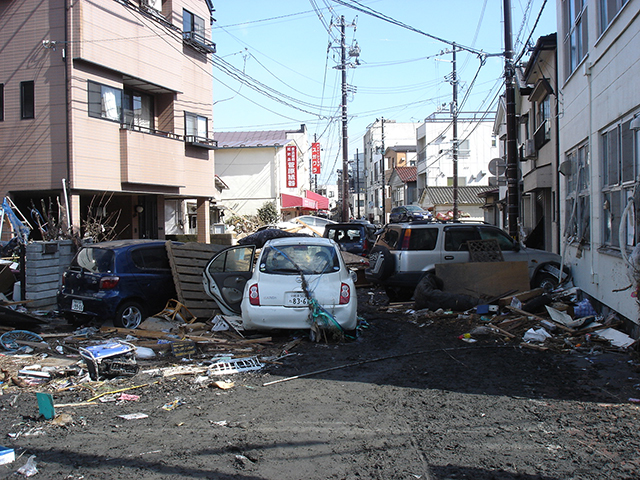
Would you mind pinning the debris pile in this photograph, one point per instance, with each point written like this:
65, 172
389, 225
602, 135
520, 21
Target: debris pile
534, 319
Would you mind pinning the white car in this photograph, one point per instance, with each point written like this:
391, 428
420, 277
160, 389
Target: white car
294, 284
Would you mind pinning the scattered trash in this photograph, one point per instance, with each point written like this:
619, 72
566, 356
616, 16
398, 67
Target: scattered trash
17, 339
29, 469
172, 405
617, 338
466, 337
126, 397
7, 455
45, 405
219, 324
223, 385
145, 353
235, 365
62, 420
134, 416
533, 335
110, 359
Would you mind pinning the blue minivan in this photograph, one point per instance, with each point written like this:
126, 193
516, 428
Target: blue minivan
122, 280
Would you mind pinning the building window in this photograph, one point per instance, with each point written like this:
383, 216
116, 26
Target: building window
195, 126
608, 9
1, 102
577, 200
104, 101
574, 14
193, 33
138, 111
27, 100
619, 171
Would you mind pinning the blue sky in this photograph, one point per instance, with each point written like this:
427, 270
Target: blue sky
288, 49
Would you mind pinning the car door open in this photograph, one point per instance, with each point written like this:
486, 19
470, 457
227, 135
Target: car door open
226, 275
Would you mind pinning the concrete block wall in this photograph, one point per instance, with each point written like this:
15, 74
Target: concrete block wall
44, 265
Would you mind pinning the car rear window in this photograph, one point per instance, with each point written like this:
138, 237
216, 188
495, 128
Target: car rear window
344, 234
291, 259
151, 258
96, 260
422, 238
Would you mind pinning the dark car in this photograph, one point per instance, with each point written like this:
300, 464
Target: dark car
122, 280
408, 213
354, 237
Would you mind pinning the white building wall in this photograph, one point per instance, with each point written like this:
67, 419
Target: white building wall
601, 91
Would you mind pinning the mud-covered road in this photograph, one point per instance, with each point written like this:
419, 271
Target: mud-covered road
407, 400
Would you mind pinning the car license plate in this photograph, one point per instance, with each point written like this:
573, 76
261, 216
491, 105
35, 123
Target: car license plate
295, 299
77, 306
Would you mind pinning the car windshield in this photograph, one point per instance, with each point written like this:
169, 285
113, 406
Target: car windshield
413, 208
293, 259
96, 260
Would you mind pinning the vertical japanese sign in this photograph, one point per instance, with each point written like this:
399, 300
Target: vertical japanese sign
292, 166
315, 158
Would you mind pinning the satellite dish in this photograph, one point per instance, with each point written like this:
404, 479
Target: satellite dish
497, 167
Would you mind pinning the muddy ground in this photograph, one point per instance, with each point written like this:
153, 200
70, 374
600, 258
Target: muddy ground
407, 400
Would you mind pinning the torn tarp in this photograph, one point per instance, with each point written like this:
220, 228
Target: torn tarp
429, 294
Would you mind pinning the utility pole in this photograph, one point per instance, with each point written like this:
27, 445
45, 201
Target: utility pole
345, 144
357, 189
511, 147
384, 182
454, 111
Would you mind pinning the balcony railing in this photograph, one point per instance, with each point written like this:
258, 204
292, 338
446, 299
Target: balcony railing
201, 142
193, 140
199, 42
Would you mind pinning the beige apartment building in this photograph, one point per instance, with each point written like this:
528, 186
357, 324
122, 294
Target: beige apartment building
108, 99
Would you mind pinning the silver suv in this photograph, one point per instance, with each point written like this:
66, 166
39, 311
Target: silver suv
405, 252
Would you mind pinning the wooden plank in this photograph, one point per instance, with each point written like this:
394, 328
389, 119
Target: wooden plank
483, 279
187, 264
523, 297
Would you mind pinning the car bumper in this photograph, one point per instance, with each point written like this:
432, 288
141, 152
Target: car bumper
102, 308
278, 317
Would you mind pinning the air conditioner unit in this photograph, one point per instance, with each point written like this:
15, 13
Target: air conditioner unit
530, 151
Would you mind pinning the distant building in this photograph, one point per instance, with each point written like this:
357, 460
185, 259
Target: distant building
381, 135
477, 146
402, 184
266, 166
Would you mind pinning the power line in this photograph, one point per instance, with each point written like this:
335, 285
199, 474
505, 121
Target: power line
369, 11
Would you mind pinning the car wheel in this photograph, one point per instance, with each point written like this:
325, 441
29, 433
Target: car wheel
129, 315
546, 281
382, 263
399, 294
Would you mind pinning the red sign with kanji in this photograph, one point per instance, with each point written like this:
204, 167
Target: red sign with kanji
315, 158
292, 166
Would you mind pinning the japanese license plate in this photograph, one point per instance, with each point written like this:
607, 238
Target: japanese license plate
295, 299
77, 306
